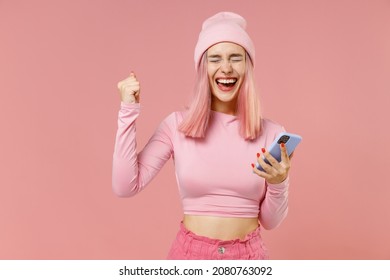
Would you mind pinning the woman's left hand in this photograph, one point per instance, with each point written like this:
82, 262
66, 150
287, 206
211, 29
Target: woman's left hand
277, 172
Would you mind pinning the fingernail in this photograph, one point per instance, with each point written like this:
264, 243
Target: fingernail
253, 166
282, 145
263, 150
258, 154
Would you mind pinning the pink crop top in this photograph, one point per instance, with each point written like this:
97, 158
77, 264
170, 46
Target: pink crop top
213, 174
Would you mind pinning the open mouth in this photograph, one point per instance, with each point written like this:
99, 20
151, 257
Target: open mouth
226, 84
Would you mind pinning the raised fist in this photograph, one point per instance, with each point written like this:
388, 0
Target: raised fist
129, 89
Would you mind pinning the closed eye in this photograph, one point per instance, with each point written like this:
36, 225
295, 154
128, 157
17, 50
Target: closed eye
214, 58
236, 59
232, 58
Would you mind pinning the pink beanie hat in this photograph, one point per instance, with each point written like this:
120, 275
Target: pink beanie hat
223, 27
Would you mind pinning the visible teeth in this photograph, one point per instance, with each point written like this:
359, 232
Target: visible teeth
226, 81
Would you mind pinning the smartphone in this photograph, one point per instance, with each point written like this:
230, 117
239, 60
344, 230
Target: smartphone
290, 140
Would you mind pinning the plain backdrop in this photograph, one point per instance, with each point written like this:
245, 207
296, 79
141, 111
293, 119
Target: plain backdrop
322, 70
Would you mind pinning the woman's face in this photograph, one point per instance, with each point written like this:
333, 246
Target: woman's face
226, 71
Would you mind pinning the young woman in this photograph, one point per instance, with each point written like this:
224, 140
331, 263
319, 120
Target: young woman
214, 143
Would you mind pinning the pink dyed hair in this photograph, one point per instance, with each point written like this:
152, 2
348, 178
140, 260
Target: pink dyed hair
196, 120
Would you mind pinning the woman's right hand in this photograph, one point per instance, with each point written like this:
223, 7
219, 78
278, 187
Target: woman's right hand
129, 89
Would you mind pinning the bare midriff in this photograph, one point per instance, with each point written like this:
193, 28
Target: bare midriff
223, 228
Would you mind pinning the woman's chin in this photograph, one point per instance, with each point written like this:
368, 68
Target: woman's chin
225, 96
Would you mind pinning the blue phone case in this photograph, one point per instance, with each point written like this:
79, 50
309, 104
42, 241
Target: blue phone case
289, 139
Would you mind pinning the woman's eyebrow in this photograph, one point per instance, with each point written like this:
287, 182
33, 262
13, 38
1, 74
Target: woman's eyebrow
214, 56
236, 55
218, 56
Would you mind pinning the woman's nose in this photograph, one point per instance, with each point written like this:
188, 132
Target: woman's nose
226, 67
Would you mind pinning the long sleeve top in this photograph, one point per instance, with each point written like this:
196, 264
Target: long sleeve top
213, 173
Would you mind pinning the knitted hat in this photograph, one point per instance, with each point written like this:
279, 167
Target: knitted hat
223, 27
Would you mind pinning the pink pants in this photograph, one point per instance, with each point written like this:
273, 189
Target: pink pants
189, 246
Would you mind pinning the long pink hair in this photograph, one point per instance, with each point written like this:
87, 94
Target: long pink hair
196, 120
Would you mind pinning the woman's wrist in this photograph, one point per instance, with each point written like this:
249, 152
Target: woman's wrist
130, 105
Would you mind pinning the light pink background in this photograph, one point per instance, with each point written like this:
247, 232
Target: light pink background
322, 69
